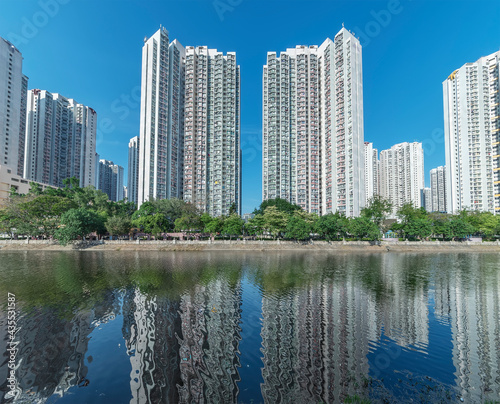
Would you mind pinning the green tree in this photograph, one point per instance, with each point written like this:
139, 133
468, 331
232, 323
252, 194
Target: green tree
35, 188
233, 225
331, 226
363, 228
173, 209
188, 222
420, 227
149, 220
37, 215
298, 228
212, 225
118, 225
484, 223
6, 223
91, 198
438, 221
281, 205
255, 226
413, 222
78, 223
458, 227
122, 208
275, 221
377, 210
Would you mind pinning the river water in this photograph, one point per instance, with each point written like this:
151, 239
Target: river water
271, 327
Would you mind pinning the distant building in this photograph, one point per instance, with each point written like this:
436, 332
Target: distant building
133, 169
426, 199
247, 216
13, 89
371, 171
438, 189
111, 180
60, 140
472, 136
402, 174
313, 153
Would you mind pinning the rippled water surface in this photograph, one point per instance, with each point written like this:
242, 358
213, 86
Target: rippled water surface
274, 327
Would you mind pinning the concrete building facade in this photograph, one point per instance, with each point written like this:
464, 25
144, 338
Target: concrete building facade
472, 136
13, 89
313, 140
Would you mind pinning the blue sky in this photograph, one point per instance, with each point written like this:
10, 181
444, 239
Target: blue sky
91, 51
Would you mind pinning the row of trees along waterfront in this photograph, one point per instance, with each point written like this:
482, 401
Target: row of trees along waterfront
73, 213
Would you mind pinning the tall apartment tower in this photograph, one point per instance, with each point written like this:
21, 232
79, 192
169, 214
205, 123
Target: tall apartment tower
472, 136
313, 142
60, 140
371, 171
212, 156
438, 189
111, 180
133, 169
402, 174
161, 122
13, 89
426, 199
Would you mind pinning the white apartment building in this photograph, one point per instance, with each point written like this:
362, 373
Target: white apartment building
111, 180
212, 156
313, 142
438, 189
190, 125
60, 139
13, 89
133, 170
402, 174
371, 171
472, 135
426, 199
161, 122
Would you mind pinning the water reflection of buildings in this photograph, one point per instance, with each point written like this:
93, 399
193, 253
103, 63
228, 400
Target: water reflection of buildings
150, 328
52, 349
316, 338
184, 351
315, 343
470, 296
211, 317
405, 312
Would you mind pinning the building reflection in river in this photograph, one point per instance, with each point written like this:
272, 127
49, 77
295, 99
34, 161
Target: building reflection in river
322, 322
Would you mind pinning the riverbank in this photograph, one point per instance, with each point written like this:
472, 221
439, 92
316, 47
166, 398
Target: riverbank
254, 245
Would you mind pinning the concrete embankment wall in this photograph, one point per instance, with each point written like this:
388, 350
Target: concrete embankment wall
249, 245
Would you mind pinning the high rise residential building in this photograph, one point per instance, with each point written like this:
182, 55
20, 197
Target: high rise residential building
111, 180
402, 174
13, 89
212, 156
133, 170
60, 139
190, 125
438, 189
371, 171
161, 122
313, 142
472, 136
426, 199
